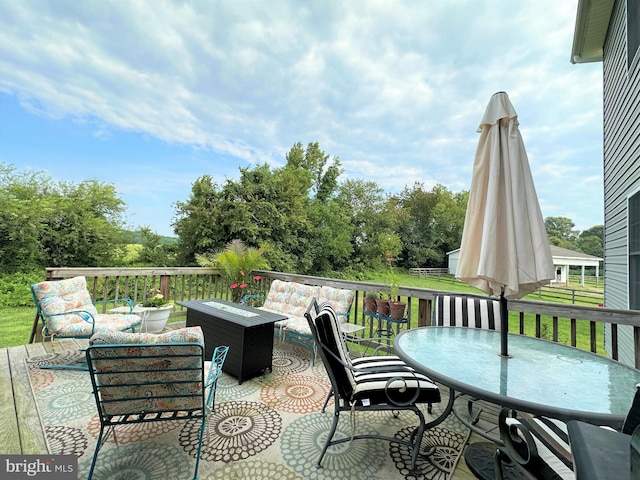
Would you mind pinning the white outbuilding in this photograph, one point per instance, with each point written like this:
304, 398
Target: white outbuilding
563, 259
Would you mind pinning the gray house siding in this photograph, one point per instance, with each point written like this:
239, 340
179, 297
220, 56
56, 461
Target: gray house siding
621, 99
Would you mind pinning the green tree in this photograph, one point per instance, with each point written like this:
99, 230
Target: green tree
370, 220
84, 226
196, 221
22, 206
562, 228
591, 245
315, 162
154, 251
591, 241
430, 224
595, 231
49, 224
290, 212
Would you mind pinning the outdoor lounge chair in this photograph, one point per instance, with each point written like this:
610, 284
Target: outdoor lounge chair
145, 377
381, 383
67, 311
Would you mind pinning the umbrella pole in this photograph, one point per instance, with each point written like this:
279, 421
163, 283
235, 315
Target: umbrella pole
504, 325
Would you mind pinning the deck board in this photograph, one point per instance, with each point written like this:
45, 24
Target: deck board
10, 438
30, 428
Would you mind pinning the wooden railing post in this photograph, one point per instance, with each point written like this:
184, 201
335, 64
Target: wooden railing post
165, 286
424, 312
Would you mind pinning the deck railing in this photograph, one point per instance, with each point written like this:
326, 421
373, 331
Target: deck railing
579, 326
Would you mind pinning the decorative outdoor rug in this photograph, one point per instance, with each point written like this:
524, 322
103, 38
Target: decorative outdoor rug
269, 427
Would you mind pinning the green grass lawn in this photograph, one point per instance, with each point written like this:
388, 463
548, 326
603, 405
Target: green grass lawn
15, 325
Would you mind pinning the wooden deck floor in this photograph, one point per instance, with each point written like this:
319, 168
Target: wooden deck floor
20, 423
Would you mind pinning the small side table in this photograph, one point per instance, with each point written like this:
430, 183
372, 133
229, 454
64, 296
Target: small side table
143, 312
350, 330
385, 329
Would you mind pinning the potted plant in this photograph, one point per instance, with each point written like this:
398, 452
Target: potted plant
154, 311
370, 302
396, 307
382, 304
237, 262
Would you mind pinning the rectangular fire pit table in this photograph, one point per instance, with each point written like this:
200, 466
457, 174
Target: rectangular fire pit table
247, 331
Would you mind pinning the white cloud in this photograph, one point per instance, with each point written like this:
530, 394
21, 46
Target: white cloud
390, 84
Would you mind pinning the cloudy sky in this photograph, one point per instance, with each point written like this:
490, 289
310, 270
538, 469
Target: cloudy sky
150, 95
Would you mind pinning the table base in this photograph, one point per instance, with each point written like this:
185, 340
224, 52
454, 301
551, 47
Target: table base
480, 458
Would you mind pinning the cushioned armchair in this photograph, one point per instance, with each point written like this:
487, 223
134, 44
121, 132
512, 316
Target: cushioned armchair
67, 311
379, 383
146, 377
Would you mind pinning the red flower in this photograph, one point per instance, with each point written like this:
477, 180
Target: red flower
243, 285
235, 285
257, 278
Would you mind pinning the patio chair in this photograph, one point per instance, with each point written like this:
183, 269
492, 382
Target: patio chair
146, 377
601, 454
381, 383
466, 311
67, 311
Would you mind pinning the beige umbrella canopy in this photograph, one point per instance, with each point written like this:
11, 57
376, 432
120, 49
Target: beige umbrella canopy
505, 249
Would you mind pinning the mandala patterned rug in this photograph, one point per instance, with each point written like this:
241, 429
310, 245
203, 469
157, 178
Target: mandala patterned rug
269, 427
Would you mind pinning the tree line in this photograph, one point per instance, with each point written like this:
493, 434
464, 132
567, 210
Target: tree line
302, 215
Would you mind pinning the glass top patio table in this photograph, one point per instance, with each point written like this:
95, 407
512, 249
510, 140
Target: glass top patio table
539, 377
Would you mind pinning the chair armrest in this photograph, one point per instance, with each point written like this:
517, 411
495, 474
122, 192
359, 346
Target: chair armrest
83, 314
128, 301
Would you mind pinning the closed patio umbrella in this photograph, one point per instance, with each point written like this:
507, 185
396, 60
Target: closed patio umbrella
505, 249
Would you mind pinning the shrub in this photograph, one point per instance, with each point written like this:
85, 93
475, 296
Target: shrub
14, 288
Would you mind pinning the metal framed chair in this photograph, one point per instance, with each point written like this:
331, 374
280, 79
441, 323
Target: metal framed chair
601, 454
214, 369
142, 378
67, 311
380, 383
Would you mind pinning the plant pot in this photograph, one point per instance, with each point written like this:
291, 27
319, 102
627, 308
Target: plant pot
396, 310
382, 306
370, 305
154, 319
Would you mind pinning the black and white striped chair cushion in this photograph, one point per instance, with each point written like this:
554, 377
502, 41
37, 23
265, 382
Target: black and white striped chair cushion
375, 380
552, 442
466, 311
370, 383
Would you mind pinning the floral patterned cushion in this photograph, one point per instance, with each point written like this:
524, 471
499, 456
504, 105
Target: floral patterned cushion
136, 375
339, 298
289, 298
71, 295
299, 325
181, 335
292, 299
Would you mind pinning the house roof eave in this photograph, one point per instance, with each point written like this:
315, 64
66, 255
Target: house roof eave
592, 23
